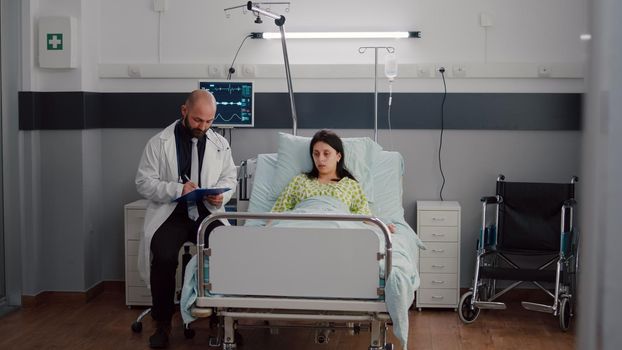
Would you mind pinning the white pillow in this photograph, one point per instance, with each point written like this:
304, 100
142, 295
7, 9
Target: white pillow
294, 158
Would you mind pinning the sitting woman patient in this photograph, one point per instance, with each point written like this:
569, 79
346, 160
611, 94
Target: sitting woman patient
329, 177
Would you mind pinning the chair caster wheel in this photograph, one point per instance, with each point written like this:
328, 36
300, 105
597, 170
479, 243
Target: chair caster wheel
137, 327
189, 333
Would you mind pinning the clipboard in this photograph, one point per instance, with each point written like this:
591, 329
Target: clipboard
199, 193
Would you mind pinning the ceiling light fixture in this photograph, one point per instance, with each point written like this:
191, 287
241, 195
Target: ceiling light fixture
337, 35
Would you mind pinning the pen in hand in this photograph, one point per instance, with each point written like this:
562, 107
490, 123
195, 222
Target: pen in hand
189, 186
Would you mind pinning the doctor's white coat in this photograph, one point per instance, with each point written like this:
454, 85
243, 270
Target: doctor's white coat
158, 180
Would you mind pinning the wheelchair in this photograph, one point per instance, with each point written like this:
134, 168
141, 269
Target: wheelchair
532, 222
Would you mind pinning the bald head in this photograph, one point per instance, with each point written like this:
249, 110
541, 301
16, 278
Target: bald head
200, 95
199, 111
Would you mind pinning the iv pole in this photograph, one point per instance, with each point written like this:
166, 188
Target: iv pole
390, 49
279, 20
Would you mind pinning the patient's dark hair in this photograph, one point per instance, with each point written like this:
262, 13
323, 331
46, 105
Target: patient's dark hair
331, 139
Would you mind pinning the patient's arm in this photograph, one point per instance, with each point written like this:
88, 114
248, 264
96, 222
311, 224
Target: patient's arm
392, 228
288, 199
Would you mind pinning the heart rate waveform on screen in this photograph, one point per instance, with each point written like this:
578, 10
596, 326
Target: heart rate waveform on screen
234, 103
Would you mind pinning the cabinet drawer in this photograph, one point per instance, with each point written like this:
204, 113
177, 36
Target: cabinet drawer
439, 265
438, 218
132, 247
439, 280
139, 296
438, 296
132, 263
132, 278
134, 223
440, 250
438, 234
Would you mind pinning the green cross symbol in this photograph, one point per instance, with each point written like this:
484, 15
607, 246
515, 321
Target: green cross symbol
55, 41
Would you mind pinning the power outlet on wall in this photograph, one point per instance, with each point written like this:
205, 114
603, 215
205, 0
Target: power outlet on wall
544, 71
437, 70
216, 71
459, 71
160, 5
424, 71
248, 70
133, 71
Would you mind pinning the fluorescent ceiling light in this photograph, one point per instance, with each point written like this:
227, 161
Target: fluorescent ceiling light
336, 35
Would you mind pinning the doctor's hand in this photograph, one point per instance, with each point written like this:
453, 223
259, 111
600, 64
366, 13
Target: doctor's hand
188, 187
214, 199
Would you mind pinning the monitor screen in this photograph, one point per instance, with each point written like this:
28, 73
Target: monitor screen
235, 102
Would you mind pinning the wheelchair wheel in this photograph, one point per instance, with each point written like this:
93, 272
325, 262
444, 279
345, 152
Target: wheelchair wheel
565, 313
467, 312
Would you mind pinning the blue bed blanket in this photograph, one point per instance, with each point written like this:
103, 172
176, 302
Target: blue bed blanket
400, 285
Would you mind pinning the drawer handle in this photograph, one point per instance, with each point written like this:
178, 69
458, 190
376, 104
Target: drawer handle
438, 234
438, 250
439, 297
438, 282
438, 266
438, 219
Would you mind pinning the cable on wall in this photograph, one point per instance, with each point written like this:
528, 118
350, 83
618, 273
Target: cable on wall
440, 143
231, 69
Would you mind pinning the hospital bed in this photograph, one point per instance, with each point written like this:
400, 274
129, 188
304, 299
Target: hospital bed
310, 269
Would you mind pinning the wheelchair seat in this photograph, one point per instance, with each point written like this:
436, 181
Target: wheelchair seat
533, 221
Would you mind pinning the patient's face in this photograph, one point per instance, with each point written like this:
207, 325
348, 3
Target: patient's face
325, 158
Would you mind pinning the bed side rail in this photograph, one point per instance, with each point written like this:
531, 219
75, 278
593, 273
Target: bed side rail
291, 216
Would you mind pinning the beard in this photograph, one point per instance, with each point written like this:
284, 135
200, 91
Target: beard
198, 133
195, 132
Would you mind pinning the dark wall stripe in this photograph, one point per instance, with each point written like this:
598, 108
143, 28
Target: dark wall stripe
484, 111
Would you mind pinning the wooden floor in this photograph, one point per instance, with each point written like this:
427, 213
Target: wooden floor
104, 323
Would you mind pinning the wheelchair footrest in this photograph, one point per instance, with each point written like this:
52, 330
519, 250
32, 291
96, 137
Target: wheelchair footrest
493, 305
537, 307
517, 274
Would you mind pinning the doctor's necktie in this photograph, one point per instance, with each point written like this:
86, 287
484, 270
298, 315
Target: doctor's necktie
193, 212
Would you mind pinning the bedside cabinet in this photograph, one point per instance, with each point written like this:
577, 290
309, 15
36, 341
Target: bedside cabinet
136, 291
438, 226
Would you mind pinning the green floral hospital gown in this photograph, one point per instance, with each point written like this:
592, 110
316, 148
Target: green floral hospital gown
301, 187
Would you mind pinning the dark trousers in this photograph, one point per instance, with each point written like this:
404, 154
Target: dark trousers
165, 245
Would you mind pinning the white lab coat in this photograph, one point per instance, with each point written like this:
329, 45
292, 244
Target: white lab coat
158, 178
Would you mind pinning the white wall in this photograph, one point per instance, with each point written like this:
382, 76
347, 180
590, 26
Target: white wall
197, 31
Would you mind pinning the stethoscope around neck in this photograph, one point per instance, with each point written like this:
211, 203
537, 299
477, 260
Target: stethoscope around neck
220, 146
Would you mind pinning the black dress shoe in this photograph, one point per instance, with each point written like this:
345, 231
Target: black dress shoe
159, 339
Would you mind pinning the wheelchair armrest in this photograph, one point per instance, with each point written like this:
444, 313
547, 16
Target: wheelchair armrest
490, 200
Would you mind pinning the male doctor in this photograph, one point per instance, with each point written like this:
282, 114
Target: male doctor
184, 156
